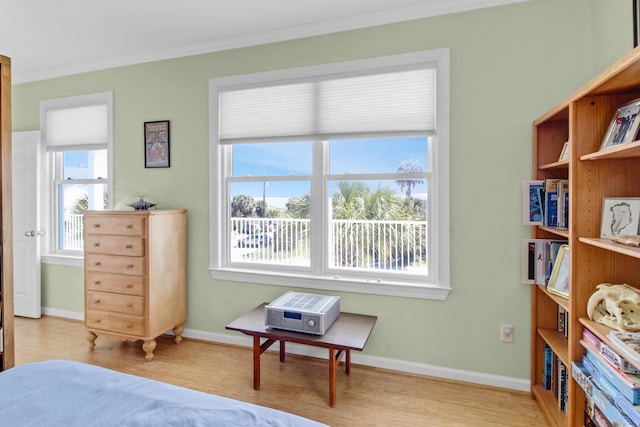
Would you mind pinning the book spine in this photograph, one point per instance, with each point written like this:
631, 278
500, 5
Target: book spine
626, 389
548, 367
615, 360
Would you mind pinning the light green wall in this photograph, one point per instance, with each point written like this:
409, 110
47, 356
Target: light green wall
508, 65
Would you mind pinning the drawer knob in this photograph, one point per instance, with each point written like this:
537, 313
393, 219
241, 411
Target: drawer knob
130, 266
96, 225
129, 226
129, 305
97, 301
98, 263
97, 321
129, 326
96, 244
129, 286
129, 246
97, 282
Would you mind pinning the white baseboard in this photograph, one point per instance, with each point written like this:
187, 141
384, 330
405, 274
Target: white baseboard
356, 357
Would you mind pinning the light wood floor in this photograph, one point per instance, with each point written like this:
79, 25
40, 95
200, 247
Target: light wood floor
367, 397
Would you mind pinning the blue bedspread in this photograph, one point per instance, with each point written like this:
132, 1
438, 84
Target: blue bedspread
63, 393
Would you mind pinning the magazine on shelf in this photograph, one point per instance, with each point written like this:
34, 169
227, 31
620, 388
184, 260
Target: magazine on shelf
629, 388
627, 343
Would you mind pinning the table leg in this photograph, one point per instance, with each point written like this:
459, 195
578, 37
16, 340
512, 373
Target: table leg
332, 376
282, 352
347, 362
257, 351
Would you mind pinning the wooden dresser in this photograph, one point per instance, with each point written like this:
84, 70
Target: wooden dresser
135, 275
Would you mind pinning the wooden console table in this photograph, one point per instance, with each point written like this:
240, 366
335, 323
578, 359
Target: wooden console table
349, 332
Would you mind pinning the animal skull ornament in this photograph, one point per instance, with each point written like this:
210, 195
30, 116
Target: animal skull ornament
616, 306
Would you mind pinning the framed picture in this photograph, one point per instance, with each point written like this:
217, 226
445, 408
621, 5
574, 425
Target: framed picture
559, 280
624, 126
620, 216
532, 197
156, 144
564, 154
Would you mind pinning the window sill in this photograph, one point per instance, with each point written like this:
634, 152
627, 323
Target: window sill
69, 260
344, 284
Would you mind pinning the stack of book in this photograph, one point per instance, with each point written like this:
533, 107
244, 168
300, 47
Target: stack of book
538, 256
554, 199
611, 384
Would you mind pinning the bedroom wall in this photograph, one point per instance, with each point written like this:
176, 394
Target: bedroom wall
509, 64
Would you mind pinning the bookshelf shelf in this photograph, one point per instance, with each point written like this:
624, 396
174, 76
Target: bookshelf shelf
593, 174
612, 246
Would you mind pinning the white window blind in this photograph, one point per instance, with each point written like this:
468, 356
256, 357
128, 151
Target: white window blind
78, 122
337, 106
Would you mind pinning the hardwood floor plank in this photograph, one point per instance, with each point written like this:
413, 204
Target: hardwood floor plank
367, 397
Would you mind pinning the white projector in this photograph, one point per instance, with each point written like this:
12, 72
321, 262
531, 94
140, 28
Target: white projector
295, 311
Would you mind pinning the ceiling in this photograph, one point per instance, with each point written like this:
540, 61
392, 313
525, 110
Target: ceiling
47, 38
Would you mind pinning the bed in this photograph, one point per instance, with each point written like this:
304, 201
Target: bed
65, 393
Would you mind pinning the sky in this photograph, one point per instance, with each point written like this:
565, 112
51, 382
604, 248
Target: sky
346, 156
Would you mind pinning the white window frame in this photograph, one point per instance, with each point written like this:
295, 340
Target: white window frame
50, 253
439, 286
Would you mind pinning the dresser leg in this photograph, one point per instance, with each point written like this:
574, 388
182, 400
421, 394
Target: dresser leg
177, 331
148, 346
91, 337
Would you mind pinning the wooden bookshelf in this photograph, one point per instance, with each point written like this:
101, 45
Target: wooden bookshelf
593, 174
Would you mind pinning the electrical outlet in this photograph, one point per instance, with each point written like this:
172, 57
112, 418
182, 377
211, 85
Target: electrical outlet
506, 333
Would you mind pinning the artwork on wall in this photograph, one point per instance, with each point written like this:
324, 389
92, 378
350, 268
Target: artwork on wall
156, 144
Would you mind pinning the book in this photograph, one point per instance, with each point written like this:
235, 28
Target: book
628, 387
627, 343
551, 209
617, 361
563, 203
548, 367
562, 386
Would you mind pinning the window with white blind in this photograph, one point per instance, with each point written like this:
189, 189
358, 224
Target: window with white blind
334, 177
77, 133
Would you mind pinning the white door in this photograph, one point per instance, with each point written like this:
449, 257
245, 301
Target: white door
26, 223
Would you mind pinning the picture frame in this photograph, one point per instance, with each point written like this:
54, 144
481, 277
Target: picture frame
564, 154
620, 216
156, 144
559, 280
532, 202
624, 125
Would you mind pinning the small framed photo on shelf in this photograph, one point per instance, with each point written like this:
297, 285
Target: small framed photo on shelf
559, 280
564, 154
532, 199
624, 126
156, 144
620, 216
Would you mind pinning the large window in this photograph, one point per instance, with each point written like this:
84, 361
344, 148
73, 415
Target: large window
78, 135
334, 177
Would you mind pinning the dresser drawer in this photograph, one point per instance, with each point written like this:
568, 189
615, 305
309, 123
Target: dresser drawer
113, 322
117, 283
122, 225
114, 264
127, 304
114, 245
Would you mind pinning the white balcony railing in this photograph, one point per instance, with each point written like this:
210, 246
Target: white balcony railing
353, 244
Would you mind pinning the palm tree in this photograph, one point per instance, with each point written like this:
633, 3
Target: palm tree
409, 166
242, 206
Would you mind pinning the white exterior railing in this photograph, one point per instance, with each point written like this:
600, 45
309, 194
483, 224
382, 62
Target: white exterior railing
354, 244
73, 236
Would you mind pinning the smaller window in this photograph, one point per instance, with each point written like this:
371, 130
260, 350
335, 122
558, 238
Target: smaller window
77, 133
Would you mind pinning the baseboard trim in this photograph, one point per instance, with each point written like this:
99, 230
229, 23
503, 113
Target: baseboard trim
356, 358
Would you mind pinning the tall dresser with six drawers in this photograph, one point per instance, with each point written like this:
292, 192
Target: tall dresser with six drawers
135, 275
